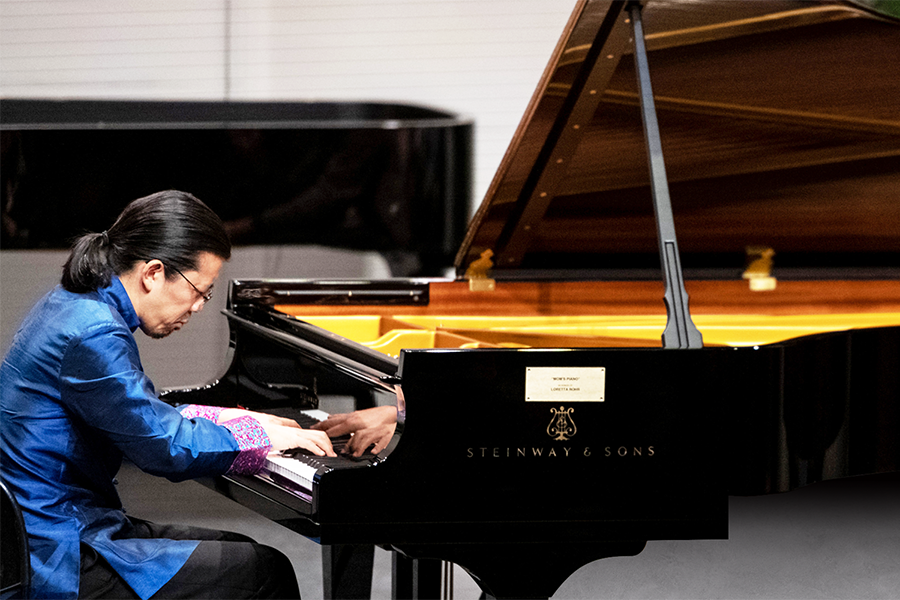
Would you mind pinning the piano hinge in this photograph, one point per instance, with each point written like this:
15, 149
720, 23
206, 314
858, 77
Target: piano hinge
759, 268
477, 273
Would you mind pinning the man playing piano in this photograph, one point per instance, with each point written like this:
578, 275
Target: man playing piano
75, 401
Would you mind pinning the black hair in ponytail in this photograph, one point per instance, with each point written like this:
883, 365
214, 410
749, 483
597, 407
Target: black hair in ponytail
171, 226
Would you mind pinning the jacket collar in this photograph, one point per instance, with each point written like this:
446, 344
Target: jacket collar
115, 295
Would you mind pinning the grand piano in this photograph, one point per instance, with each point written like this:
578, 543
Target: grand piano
377, 176
589, 381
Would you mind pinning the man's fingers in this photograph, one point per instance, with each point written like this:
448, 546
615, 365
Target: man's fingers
318, 443
284, 438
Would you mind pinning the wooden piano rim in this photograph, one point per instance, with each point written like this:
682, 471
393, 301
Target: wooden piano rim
634, 298
606, 314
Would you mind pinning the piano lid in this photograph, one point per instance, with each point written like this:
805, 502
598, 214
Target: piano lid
780, 125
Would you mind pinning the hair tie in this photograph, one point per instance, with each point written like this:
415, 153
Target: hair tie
105, 238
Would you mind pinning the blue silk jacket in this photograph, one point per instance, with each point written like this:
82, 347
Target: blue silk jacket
74, 400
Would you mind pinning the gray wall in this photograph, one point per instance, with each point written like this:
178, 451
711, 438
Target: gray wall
196, 354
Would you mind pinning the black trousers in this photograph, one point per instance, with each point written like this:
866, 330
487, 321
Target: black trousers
224, 565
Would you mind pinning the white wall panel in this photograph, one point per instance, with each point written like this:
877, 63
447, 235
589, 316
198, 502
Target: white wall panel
109, 49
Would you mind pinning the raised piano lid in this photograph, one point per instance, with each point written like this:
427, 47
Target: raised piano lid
780, 126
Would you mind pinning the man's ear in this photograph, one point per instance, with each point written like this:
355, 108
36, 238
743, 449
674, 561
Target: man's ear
152, 275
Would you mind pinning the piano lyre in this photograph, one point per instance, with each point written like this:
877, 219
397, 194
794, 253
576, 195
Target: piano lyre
545, 417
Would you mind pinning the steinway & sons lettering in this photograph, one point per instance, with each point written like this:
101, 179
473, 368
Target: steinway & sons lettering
561, 452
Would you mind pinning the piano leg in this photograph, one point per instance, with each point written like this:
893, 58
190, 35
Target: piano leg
414, 578
347, 571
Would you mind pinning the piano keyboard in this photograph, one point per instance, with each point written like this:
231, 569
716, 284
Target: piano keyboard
296, 469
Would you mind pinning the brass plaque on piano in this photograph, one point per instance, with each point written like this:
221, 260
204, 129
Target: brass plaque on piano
565, 384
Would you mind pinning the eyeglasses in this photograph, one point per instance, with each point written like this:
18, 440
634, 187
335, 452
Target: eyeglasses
206, 297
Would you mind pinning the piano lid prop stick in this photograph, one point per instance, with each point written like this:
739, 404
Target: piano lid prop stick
680, 331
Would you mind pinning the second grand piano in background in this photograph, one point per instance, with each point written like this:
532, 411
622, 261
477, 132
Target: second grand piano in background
391, 178
542, 426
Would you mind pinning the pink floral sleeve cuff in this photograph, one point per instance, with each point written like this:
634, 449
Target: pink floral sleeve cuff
253, 442
210, 413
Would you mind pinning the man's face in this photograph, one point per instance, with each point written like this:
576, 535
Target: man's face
172, 303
